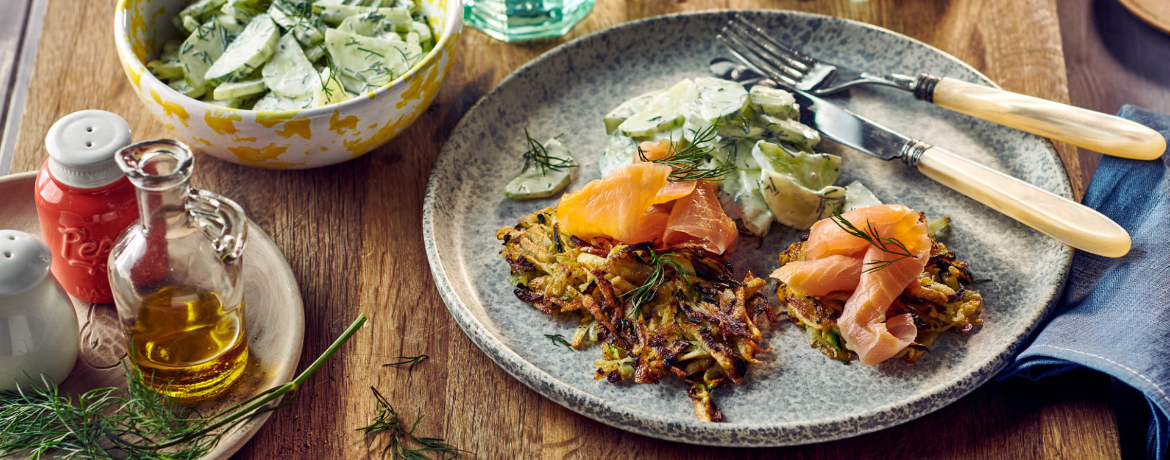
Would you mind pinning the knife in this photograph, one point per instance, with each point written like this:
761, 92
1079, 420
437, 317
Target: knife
1070, 222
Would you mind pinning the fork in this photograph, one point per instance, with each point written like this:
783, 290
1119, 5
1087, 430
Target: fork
1095, 131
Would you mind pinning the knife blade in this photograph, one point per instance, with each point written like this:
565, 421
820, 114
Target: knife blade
1070, 222
850, 129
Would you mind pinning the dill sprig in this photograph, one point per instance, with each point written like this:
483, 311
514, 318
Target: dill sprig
646, 292
411, 360
538, 156
138, 423
334, 75
388, 421
686, 162
887, 245
558, 339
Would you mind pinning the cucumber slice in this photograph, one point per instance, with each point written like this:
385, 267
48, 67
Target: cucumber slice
775, 102
166, 69
788, 130
238, 89
315, 52
742, 201
201, 9
373, 61
189, 23
374, 23
619, 151
289, 73
276, 102
533, 183
667, 110
795, 205
719, 100
246, 10
184, 88
200, 50
230, 23
228, 103
741, 128
811, 170
858, 196
424, 32
297, 19
628, 109
754, 212
250, 50
648, 122
335, 14
331, 92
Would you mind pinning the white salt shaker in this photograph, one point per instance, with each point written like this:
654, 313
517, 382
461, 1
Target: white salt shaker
38, 327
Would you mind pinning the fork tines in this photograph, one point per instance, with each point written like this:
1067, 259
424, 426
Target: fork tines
764, 54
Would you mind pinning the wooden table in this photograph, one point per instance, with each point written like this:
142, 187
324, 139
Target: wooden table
352, 234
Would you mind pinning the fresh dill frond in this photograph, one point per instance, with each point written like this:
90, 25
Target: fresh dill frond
135, 423
399, 436
687, 162
558, 339
648, 290
870, 235
411, 360
538, 156
334, 75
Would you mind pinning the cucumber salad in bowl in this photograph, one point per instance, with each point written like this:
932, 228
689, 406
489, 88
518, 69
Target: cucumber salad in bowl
291, 54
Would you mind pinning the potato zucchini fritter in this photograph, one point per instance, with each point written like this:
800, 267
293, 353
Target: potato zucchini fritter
941, 301
654, 310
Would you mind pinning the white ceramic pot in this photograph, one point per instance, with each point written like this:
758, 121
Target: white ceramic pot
38, 327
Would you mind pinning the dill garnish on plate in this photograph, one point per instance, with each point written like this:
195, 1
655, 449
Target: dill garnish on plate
693, 160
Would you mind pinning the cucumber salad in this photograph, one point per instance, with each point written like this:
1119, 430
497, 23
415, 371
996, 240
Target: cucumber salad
752, 142
777, 174
291, 54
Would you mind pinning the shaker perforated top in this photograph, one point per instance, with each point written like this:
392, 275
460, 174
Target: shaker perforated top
24, 261
81, 148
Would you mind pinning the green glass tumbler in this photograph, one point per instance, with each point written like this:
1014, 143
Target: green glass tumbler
520, 20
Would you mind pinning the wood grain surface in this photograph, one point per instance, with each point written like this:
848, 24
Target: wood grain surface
352, 234
12, 34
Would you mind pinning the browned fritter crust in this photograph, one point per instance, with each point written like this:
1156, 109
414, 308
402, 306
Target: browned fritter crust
699, 324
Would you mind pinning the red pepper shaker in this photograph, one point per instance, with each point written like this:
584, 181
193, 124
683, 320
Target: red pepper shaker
84, 200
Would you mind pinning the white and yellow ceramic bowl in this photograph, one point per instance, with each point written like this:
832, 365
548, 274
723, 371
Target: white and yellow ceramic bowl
287, 139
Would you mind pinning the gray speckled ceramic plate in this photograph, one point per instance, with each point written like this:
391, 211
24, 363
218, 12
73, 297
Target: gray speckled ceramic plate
797, 395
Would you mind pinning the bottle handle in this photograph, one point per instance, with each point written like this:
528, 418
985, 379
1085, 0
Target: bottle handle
222, 221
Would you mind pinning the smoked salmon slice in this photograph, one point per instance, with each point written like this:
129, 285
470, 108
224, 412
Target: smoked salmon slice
837, 260
699, 218
822, 276
638, 203
863, 322
826, 238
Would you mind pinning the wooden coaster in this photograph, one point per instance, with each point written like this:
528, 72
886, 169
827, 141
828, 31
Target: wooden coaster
276, 322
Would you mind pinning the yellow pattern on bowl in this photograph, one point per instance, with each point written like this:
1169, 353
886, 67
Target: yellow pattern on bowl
294, 139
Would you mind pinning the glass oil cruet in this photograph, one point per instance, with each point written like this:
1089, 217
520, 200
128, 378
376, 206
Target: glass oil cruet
176, 276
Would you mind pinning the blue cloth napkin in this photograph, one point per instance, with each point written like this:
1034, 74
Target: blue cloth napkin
1114, 315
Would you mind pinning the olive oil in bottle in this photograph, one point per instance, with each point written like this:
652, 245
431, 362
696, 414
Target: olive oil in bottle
176, 276
187, 344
